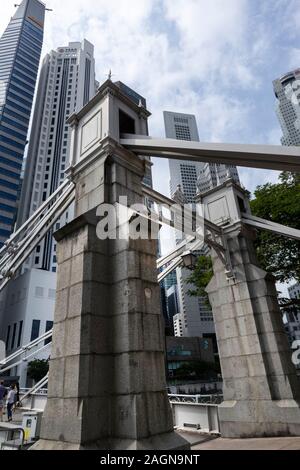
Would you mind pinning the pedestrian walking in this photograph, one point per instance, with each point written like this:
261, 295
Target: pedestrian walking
3, 393
17, 395
10, 402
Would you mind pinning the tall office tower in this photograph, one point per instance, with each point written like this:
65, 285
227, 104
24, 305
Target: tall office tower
194, 317
20, 52
67, 83
286, 90
183, 173
193, 177
214, 174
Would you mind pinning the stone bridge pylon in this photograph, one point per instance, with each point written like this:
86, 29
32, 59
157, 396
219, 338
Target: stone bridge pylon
107, 387
260, 386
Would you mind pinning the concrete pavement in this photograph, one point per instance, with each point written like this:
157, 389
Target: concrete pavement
276, 443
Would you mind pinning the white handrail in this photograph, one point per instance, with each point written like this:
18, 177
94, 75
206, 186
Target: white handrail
27, 347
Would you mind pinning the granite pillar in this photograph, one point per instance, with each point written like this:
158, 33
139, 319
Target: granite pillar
261, 389
107, 386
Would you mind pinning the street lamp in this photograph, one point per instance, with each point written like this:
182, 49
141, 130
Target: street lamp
189, 260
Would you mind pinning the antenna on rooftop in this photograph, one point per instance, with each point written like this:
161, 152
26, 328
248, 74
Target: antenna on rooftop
110, 75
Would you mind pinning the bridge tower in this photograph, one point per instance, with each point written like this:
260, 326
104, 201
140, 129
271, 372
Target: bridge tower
107, 387
261, 388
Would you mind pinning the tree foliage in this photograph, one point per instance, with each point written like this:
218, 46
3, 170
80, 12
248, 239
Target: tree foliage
38, 369
279, 203
200, 277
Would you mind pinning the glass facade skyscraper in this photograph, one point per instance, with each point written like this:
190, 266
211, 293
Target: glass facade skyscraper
20, 51
66, 83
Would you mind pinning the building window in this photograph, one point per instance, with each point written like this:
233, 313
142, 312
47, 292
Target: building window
39, 292
35, 330
181, 120
49, 326
8, 336
20, 334
51, 294
182, 132
13, 336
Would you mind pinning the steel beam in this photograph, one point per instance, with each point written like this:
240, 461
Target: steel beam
271, 157
278, 229
175, 264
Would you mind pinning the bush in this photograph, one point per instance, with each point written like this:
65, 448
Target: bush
38, 369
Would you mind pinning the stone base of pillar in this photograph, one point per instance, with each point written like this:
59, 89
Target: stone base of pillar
263, 418
168, 441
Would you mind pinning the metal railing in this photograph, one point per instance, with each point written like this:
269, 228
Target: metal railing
196, 412
42, 391
200, 399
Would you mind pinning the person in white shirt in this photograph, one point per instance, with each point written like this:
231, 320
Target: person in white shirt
3, 393
10, 402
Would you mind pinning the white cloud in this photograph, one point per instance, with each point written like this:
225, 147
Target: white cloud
195, 56
250, 179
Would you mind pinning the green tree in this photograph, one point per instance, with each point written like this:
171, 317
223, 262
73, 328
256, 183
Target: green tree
279, 203
200, 277
38, 369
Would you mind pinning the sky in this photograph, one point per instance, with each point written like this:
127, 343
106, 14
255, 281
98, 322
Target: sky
215, 59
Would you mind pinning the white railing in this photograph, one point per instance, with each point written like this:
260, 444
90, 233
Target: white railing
215, 399
33, 401
42, 391
196, 417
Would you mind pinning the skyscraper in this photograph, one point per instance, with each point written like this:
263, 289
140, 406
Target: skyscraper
193, 177
214, 174
67, 82
20, 51
286, 90
183, 127
194, 317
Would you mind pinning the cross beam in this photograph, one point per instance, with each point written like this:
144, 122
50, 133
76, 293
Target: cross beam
273, 227
270, 157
